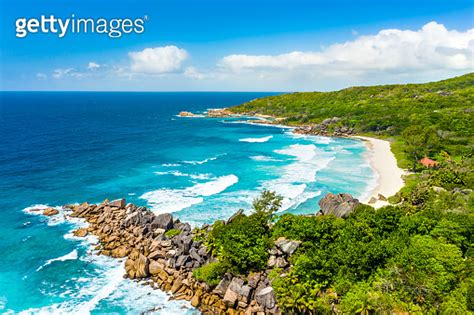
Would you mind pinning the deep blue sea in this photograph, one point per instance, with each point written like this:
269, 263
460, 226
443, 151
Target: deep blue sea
71, 147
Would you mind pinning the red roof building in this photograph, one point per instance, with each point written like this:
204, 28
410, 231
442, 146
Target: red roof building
426, 162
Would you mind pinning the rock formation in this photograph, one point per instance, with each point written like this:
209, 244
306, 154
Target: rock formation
166, 263
340, 205
219, 113
50, 211
186, 114
328, 127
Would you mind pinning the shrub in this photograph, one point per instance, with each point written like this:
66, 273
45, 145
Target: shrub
172, 233
210, 273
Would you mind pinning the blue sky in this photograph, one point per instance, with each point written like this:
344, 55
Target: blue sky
240, 45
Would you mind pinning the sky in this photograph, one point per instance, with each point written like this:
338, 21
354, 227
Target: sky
231, 45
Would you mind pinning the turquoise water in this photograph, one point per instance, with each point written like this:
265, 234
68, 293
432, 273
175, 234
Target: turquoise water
60, 148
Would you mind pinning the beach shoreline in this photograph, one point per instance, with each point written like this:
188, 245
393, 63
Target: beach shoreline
380, 156
383, 162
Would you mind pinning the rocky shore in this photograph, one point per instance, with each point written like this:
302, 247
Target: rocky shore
211, 113
330, 127
162, 252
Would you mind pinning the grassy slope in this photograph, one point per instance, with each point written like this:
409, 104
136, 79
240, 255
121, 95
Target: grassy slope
385, 111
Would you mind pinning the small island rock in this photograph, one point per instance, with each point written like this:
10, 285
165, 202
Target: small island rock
50, 211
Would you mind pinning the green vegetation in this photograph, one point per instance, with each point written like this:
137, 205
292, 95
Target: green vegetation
242, 244
172, 232
435, 119
211, 273
414, 255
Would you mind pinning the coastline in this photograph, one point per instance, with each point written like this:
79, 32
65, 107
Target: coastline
389, 176
384, 163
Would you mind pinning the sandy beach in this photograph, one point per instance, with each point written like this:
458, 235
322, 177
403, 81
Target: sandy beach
383, 161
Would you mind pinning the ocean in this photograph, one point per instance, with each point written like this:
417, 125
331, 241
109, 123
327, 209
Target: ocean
69, 147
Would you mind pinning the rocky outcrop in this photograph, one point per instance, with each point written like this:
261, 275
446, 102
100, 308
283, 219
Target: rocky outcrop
186, 114
219, 113
50, 211
139, 236
81, 232
328, 127
340, 205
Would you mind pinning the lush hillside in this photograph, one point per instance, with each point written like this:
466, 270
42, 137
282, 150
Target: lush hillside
441, 111
414, 256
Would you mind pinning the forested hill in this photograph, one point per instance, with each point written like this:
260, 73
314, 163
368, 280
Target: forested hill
441, 110
414, 256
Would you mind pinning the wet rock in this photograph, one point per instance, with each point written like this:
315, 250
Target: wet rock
186, 114
81, 232
138, 268
196, 300
120, 252
50, 211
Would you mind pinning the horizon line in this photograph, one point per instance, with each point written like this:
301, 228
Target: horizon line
131, 91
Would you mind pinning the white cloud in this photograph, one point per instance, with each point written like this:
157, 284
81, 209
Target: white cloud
41, 76
92, 66
67, 72
60, 73
193, 73
432, 47
157, 60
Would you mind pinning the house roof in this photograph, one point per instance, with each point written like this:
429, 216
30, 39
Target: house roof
427, 162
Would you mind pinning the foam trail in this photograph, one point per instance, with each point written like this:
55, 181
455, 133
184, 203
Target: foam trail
263, 158
71, 256
170, 164
292, 184
180, 174
172, 200
115, 278
205, 160
260, 140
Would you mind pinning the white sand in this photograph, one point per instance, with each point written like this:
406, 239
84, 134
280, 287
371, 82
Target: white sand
382, 160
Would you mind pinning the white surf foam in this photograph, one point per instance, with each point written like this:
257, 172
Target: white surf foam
248, 122
171, 200
292, 184
205, 160
170, 164
114, 277
193, 116
180, 174
51, 220
71, 256
259, 140
109, 284
263, 158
